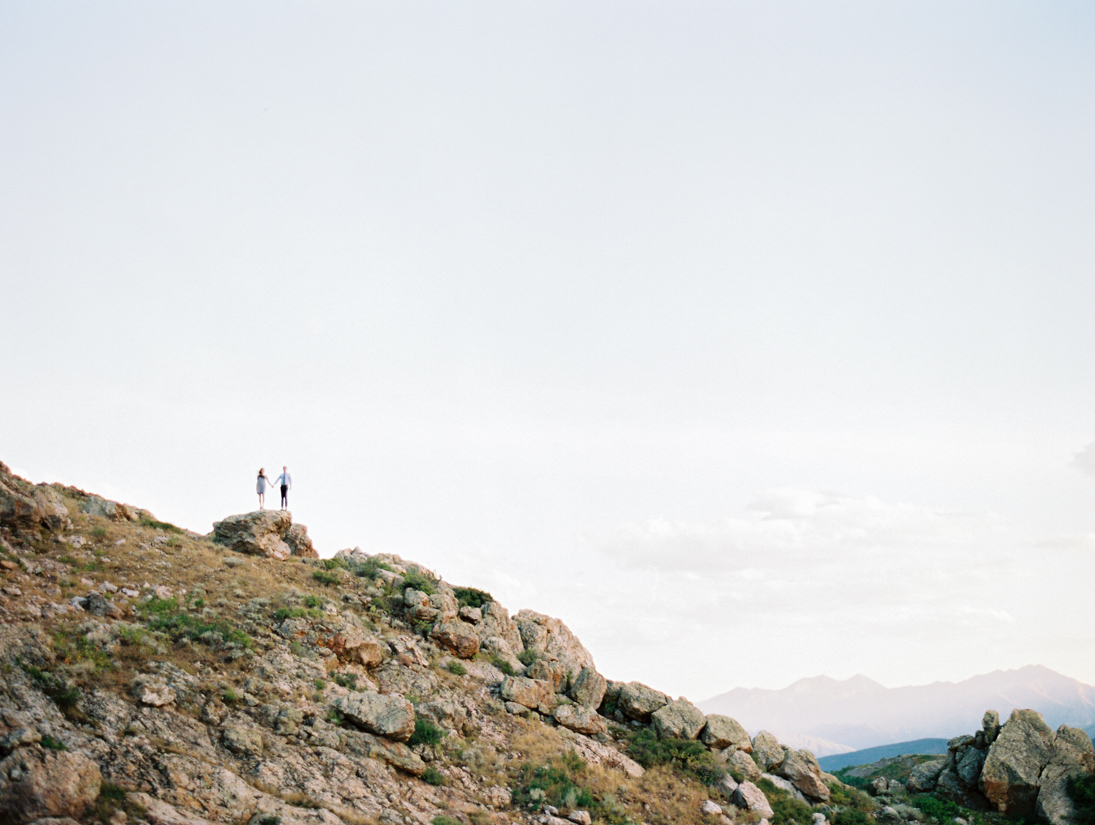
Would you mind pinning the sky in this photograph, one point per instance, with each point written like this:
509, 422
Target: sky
753, 340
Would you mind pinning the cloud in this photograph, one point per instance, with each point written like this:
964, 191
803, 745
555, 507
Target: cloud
1084, 461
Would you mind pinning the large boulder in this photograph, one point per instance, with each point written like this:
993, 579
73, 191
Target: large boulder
749, 797
495, 624
552, 639
1015, 761
458, 637
580, 718
678, 720
589, 688
269, 533
27, 507
637, 701
800, 768
767, 750
722, 732
37, 783
534, 694
739, 762
390, 716
924, 776
1073, 756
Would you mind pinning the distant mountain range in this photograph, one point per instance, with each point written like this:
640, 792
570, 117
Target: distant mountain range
829, 716
869, 756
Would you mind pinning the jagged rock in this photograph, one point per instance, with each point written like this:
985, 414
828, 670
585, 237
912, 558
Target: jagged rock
456, 636
722, 732
580, 718
800, 768
300, 544
389, 716
25, 506
551, 670
990, 726
532, 693
471, 615
264, 533
968, 765
496, 624
245, 742
924, 776
678, 720
589, 688
18, 738
785, 786
1073, 756
36, 783
767, 751
552, 639
113, 510
726, 785
710, 808
1014, 763
739, 761
159, 812
637, 701
751, 798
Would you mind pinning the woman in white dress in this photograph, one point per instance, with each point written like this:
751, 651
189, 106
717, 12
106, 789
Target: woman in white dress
261, 487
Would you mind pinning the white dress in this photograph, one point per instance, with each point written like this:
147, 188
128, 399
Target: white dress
263, 481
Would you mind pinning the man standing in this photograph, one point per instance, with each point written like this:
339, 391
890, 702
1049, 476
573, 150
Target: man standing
286, 481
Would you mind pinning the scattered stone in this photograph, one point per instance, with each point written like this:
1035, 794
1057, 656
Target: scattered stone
637, 701
752, 799
722, 732
458, 637
580, 718
389, 716
678, 720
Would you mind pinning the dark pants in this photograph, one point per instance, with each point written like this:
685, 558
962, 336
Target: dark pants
284, 496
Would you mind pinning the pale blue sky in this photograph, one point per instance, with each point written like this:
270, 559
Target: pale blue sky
752, 340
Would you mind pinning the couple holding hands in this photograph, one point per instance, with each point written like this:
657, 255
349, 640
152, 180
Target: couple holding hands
284, 480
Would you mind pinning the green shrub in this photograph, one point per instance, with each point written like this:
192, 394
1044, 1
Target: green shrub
165, 616
441, 819
160, 525
852, 816
335, 717
335, 564
1082, 791
63, 693
933, 807
346, 680
230, 695
425, 733
53, 744
686, 755
470, 597
528, 656
370, 568
326, 577
503, 666
553, 784
432, 776
786, 809
456, 667
417, 580
311, 601
283, 613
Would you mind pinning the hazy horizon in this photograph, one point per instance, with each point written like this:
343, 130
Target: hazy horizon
750, 340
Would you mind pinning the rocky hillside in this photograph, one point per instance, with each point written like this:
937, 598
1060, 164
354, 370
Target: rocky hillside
153, 675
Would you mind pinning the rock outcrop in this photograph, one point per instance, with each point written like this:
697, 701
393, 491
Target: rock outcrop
268, 533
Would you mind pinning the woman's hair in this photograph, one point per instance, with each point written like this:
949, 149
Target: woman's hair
262, 471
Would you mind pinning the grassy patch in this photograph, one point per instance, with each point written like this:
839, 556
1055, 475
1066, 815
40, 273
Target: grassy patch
417, 580
370, 568
785, 808
425, 733
432, 776
346, 680
53, 744
326, 577
936, 809
456, 667
470, 597
503, 666
685, 755
165, 616
528, 656
63, 693
160, 525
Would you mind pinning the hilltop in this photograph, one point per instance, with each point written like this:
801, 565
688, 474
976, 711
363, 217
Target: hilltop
154, 675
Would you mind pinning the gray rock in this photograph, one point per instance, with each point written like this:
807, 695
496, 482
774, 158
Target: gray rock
722, 732
532, 693
740, 762
262, 533
752, 799
390, 716
242, 741
37, 783
767, 751
1014, 763
458, 637
580, 718
589, 688
637, 701
800, 768
924, 776
968, 765
678, 720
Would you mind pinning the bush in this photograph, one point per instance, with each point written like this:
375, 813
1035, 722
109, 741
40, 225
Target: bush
432, 776
335, 564
852, 816
53, 744
941, 810
553, 784
63, 693
370, 568
346, 680
785, 808
686, 755
326, 577
425, 733
503, 666
456, 667
470, 597
528, 656
1082, 791
160, 525
417, 580
165, 616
